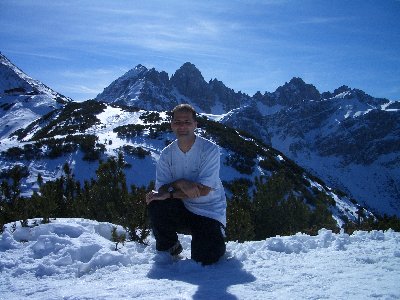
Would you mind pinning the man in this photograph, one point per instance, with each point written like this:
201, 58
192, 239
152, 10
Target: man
189, 195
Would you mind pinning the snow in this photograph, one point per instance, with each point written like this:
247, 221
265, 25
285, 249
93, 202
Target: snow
75, 259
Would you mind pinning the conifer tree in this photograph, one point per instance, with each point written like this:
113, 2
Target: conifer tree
268, 199
20, 208
110, 190
70, 190
240, 225
134, 220
47, 201
296, 216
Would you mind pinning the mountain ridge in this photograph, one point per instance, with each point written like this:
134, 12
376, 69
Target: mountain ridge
292, 125
322, 131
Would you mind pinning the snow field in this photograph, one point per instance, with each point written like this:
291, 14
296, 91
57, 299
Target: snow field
76, 259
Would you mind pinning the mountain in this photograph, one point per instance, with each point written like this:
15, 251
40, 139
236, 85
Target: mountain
153, 90
346, 137
127, 121
23, 99
83, 133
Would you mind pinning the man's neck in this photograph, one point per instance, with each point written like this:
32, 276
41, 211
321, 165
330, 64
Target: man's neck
185, 144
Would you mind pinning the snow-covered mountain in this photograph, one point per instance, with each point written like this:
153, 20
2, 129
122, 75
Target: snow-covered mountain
348, 138
82, 133
153, 90
43, 261
23, 99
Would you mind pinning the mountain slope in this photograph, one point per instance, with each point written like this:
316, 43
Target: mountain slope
83, 133
23, 99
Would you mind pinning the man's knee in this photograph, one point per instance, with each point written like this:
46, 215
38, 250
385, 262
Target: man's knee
208, 254
163, 208
208, 244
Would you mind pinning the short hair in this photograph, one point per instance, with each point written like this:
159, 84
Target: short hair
185, 108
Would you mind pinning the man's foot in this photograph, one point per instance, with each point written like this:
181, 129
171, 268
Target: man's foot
176, 249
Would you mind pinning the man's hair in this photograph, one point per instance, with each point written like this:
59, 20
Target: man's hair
184, 108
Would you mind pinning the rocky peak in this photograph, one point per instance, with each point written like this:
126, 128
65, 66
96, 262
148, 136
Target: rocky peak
189, 81
126, 87
345, 92
133, 74
295, 91
157, 78
266, 99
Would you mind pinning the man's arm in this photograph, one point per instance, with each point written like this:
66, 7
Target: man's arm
190, 189
183, 189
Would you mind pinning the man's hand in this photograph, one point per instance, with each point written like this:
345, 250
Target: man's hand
154, 195
191, 189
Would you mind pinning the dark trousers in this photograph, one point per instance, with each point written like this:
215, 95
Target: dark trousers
169, 217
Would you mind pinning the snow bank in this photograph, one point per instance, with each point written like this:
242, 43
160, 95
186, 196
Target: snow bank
76, 259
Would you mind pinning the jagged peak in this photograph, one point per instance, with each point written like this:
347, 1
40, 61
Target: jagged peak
341, 89
189, 65
296, 83
294, 91
346, 92
188, 70
134, 73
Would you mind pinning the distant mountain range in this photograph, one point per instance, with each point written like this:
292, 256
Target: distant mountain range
348, 139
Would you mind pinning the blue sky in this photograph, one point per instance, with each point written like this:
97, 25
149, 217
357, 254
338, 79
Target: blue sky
79, 47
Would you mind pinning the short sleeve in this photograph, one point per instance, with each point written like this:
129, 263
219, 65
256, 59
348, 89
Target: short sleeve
163, 170
210, 165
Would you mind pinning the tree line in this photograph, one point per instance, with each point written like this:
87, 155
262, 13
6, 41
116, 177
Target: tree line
272, 208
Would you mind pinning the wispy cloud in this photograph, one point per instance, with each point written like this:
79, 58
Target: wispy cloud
91, 73
92, 41
81, 89
323, 20
40, 55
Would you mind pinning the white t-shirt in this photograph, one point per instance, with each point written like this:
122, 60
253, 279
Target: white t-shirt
200, 164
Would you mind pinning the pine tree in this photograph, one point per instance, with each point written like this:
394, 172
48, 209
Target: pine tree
110, 190
134, 220
20, 207
240, 225
48, 199
70, 190
268, 199
296, 216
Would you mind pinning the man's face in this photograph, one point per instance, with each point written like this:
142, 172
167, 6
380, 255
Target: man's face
183, 124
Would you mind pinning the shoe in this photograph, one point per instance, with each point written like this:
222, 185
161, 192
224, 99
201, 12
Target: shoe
176, 249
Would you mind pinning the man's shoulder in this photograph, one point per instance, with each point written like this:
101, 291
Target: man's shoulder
168, 148
208, 147
207, 142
